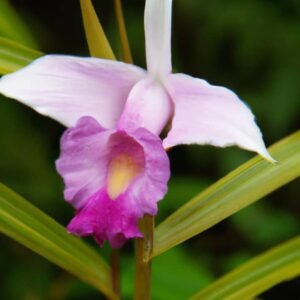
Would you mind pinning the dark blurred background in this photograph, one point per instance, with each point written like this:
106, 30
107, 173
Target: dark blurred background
249, 46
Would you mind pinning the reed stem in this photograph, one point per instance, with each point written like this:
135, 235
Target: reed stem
123, 34
144, 248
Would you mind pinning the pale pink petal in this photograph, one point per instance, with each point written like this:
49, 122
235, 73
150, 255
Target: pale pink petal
148, 106
83, 160
158, 19
67, 88
207, 114
151, 186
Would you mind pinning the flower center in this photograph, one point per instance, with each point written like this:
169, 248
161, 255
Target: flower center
122, 169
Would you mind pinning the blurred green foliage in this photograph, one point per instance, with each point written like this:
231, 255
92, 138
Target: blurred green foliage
12, 25
14, 56
250, 46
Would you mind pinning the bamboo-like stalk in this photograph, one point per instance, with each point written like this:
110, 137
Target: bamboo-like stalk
115, 272
144, 248
122, 30
115, 256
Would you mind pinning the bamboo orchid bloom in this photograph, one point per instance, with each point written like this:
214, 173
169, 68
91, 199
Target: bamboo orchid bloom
112, 161
119, 95
112, 178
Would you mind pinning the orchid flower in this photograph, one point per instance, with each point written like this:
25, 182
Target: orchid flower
120, 95
112, 178
112, 161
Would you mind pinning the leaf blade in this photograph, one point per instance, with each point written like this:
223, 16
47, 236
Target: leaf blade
257, 275
14, 56
31, 227
245, 185
96, 38
13, 27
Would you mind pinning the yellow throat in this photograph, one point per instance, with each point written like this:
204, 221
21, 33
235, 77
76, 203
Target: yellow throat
122, 169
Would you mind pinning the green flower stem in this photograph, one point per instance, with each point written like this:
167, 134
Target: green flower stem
122, 30
115, 272
144, 248
98, 44
115, 258
143, 245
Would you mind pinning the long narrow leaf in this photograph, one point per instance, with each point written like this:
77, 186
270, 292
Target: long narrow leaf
247, 184
14, 56
97, 41
31, 227
13, 27
257, 275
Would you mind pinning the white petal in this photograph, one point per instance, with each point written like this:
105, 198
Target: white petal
158, 19
148, 106
207, 114
66, 88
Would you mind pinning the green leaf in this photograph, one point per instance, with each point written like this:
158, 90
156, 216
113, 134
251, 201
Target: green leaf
26, 224
257, 275
14, 56
12, 26
97, 41
245, 185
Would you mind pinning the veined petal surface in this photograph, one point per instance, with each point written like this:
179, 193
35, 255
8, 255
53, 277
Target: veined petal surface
207, 114
151, 186
158, 21
66, 88
116, 220
82, 162
106, 219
